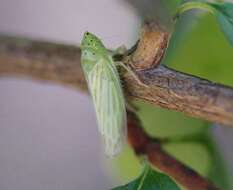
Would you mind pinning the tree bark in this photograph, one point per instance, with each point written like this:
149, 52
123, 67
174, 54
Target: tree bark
161, 86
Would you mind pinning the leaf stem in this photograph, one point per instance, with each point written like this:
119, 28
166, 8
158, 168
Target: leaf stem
145, 172
193, 5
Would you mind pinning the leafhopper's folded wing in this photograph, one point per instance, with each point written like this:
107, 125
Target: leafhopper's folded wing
105, 87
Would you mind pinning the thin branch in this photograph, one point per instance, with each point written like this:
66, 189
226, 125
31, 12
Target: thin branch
151, 147
60, 64
165, 87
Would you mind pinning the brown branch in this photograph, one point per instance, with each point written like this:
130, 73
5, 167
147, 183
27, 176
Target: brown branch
185, 93
166, 87
42, 61
144, 144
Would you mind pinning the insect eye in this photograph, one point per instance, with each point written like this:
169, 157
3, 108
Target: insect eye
87, 33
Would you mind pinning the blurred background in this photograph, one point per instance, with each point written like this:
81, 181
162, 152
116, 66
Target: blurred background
48, 133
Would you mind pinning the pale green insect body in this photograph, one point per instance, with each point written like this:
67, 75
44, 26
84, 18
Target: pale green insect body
105, 87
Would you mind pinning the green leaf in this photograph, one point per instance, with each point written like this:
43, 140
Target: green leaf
224, 14
222, 11
150, 180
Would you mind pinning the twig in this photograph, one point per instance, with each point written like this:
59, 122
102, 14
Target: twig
144, 144
166, 87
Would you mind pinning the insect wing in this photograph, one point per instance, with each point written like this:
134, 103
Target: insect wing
105, 87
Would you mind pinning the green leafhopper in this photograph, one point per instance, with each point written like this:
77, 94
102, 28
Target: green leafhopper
106, 91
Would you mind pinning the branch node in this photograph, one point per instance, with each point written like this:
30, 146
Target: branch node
150, 48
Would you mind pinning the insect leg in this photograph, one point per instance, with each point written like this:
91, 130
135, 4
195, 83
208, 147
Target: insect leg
130, 107
127, 68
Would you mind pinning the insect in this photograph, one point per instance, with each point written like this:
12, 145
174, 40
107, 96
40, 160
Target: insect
104, 85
